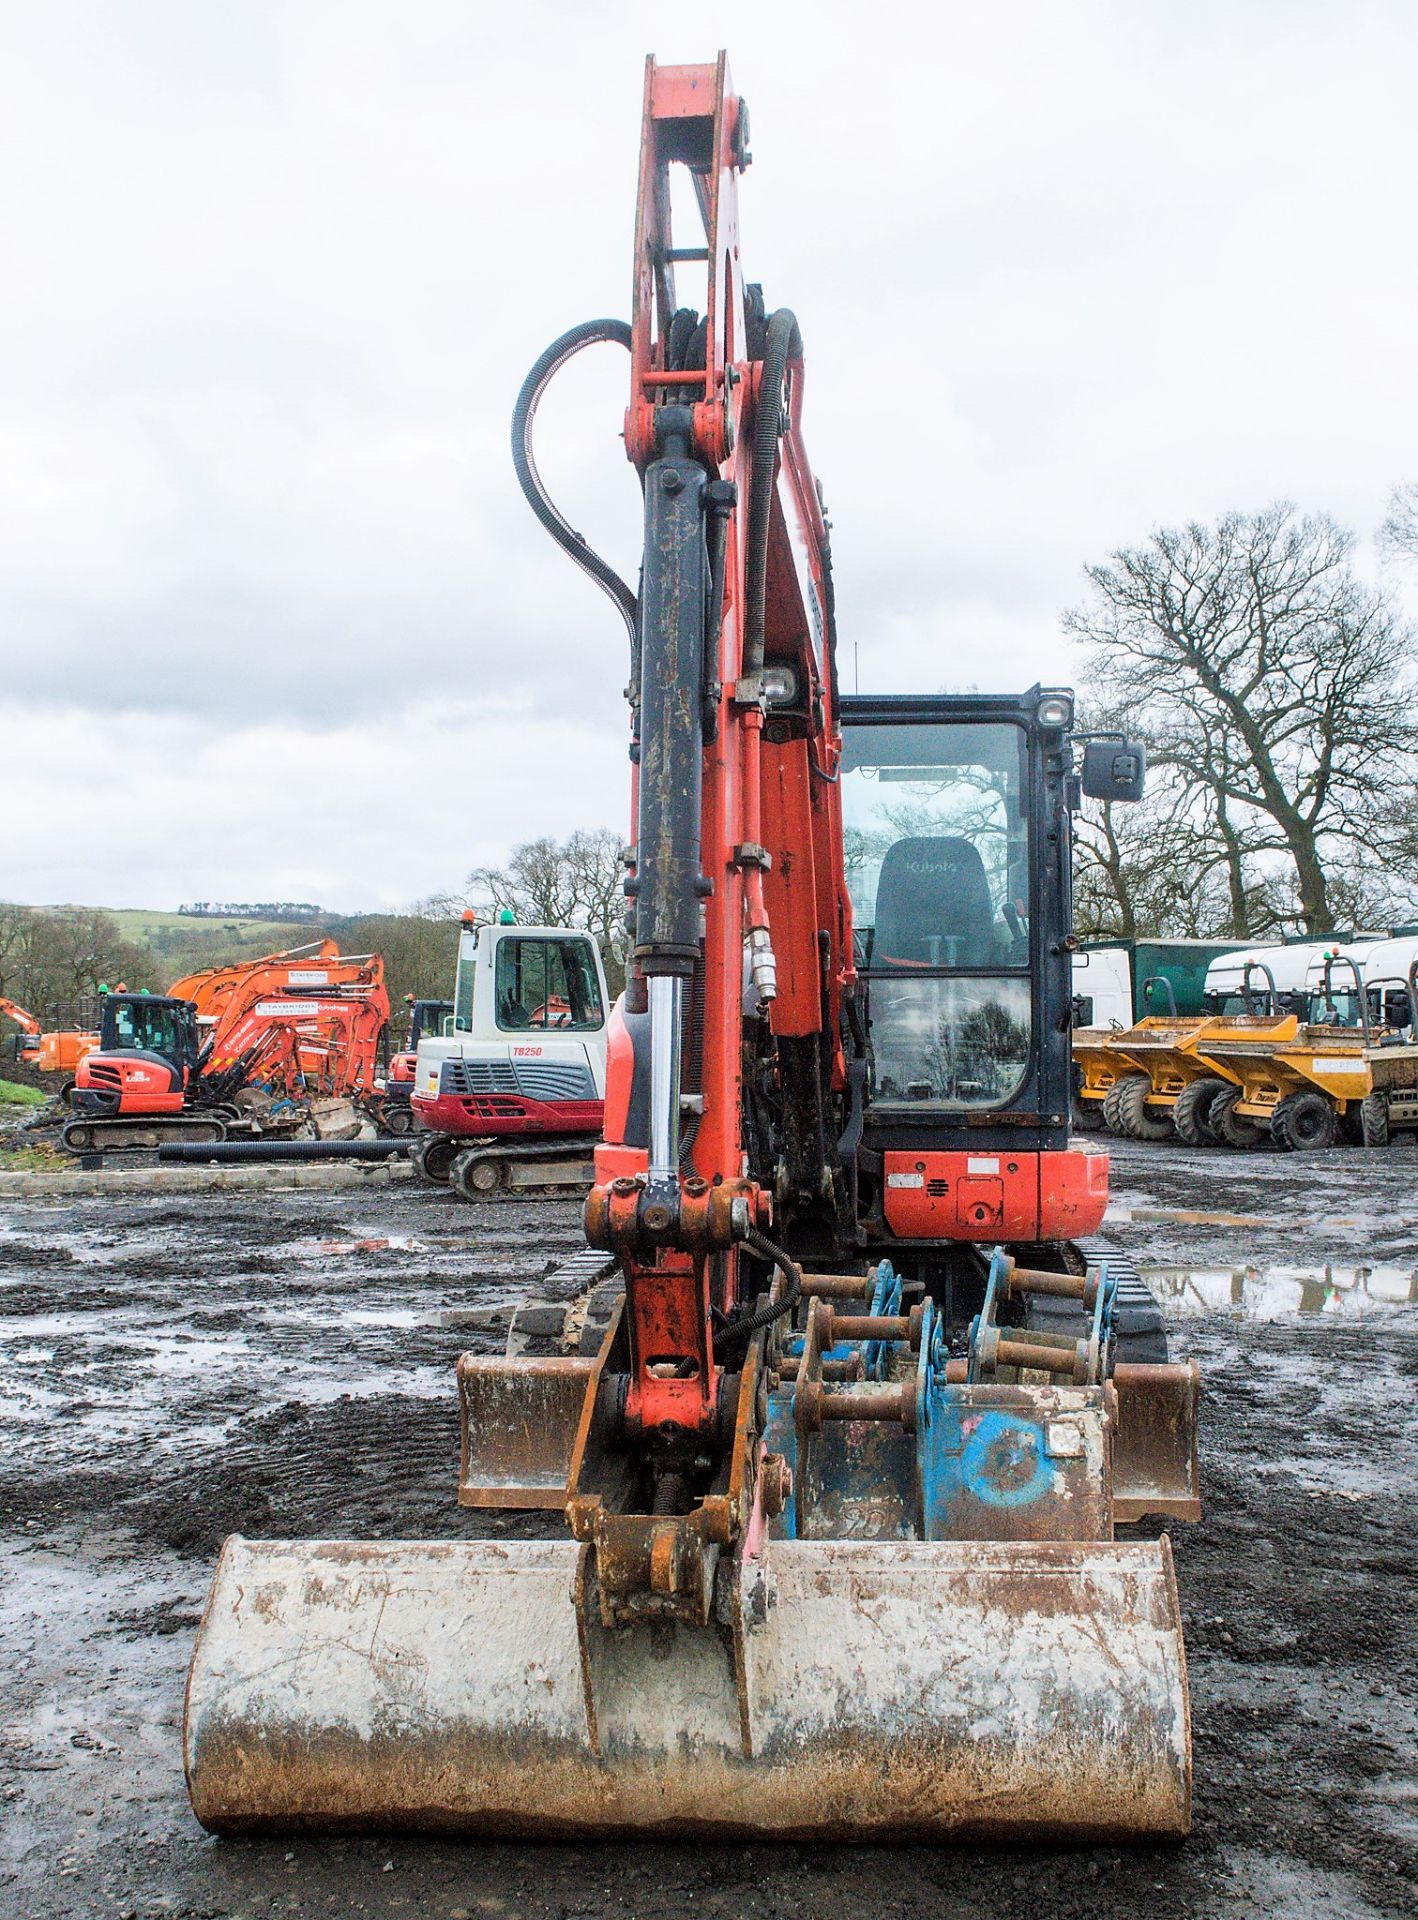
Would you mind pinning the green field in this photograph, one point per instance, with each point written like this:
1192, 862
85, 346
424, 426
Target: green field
262, 936
180, 943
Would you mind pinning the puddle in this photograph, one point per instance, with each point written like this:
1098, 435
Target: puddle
1276, 1292
32, 1325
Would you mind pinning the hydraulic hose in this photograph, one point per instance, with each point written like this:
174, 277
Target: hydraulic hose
589, 333
784, 343
737, 1330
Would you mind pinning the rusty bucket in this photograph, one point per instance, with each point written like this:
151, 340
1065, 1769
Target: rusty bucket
845, 1690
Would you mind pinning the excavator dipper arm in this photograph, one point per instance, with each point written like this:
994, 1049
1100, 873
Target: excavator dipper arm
23, 1019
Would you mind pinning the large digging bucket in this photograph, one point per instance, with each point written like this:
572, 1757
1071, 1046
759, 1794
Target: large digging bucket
856, 1690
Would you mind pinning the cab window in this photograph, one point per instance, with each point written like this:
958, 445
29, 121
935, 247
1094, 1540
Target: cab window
547, 985
149, 1027
463, 987
936, 834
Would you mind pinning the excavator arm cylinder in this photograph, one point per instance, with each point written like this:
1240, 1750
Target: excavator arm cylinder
668, 885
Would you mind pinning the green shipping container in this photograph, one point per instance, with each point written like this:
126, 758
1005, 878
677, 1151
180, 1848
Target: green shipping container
1181, 963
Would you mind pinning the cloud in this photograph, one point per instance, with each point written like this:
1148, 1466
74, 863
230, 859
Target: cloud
274, 273
129, 808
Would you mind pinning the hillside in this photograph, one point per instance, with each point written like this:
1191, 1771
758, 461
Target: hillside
179, 943
54, 959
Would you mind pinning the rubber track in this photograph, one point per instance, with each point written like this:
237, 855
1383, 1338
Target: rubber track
1146, 1338
574, 1147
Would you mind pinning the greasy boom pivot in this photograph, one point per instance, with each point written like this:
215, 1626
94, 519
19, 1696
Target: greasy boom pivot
841, 1487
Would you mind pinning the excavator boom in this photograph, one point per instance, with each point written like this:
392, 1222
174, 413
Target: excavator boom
23, 1019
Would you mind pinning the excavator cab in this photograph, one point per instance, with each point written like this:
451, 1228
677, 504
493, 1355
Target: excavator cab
433, 1017
147, 1052
939, 801
151, 1024
955, 815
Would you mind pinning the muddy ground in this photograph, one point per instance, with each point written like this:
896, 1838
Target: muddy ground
174, 1370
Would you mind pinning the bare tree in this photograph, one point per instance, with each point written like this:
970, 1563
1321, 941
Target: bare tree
1398, 536
1176, 864
1267, 676
14, 935
420, 951
1126, 872
577, 882
53, 963
1164, 867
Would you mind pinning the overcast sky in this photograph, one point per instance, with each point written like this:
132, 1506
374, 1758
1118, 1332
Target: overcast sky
274, 618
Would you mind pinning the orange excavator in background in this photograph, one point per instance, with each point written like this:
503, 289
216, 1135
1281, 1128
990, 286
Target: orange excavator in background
58, 1050
26, 1041
319, 964
281, 1034
428, 1019
840, 1481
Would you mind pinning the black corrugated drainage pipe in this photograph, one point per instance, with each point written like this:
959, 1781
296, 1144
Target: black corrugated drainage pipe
225, 1152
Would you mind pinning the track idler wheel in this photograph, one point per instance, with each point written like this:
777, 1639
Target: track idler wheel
432, 1159
477, 1174
1191, 1120
1136, 1119
1373, 1120
1303, 1122
1231, 1128
395, 1122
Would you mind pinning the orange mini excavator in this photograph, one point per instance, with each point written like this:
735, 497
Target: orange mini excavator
280, 1032
840, 1483
58, 1050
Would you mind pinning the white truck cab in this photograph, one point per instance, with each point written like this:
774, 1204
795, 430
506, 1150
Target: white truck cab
526, 1050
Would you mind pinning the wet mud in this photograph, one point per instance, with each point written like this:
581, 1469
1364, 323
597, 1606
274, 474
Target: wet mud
282, 1364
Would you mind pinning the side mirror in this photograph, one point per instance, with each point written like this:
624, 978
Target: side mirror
1083, 1009
1114, 769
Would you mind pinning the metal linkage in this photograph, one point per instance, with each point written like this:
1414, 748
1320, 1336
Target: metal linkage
838, 1327
852, 1369
837, 1286
862, 1390
995, 1350
1018, 1281
896, 1403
